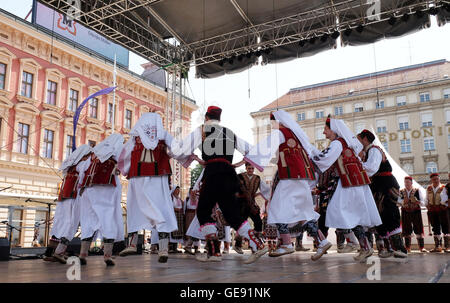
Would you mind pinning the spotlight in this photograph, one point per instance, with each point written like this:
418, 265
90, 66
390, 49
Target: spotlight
312, 40
301, 43
348, 32
433, 10
335, 35
324, 38
405, 17
419, 14
360, 28
392, 20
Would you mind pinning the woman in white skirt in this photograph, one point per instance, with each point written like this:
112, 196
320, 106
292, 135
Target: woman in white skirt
100, 197
352, 206
67, 213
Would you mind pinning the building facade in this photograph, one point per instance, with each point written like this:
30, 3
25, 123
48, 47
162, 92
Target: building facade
408, 108
42, 81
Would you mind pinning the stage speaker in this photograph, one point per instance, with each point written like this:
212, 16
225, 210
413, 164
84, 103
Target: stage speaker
74, 247
140, 244
4, 249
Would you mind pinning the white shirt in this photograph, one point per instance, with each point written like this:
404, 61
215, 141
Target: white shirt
372, 165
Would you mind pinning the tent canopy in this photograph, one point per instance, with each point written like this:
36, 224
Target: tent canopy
223, 36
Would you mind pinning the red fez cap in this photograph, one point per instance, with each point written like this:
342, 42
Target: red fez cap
408, 178
434, 175
214, 112
328, 121
367, 134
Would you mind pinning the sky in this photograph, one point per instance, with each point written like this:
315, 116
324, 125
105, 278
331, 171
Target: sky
266, 83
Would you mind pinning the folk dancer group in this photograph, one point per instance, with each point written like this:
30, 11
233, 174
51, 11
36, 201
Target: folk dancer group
351, 182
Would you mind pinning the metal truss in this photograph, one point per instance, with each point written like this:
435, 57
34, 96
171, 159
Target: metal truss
109, 19
116, 19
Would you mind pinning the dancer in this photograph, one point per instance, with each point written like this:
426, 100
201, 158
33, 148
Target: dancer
445, 201
220, 183
410, 201
67, 213
291, 203
250, 185
100, 197
177, 235
352, 205
438, 212
385, 190
191, 207
144, 160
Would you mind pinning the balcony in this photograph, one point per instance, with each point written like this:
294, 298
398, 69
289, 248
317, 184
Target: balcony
27, 100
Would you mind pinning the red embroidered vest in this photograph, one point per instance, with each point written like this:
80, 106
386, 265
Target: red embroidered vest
293, 162
146, 162
350, 168
100, 173
68, 189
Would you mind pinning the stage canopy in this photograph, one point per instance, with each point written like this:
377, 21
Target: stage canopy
225, 36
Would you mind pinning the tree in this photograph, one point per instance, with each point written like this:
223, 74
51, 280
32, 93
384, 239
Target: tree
195, 173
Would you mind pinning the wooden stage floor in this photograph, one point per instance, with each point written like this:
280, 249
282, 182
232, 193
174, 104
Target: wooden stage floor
181, 268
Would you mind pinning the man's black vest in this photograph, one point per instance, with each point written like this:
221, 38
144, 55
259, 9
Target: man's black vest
217, 142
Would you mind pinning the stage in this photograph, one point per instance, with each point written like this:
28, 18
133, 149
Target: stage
182, 268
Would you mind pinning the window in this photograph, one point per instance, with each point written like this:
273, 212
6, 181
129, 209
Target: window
385, 145
24, 130
359, 107
405, 145
447, 114
403, 123
73, 100
300, 116
427, 119
447, 93
47, 148
381, 126
110, 113
2, 75
424, 97
27, 84
39, 218
379, 104
128, 117
319, 134
320, 114
16, 222
92, 143
408, 168
69, 145
338, 110
431, 167
401, 100
93, 108
428, 144
359, 127
51, 92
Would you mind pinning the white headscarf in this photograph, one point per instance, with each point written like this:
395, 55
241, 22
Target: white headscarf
150, 129
110, 147
286, 119
75, 157
341, 129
